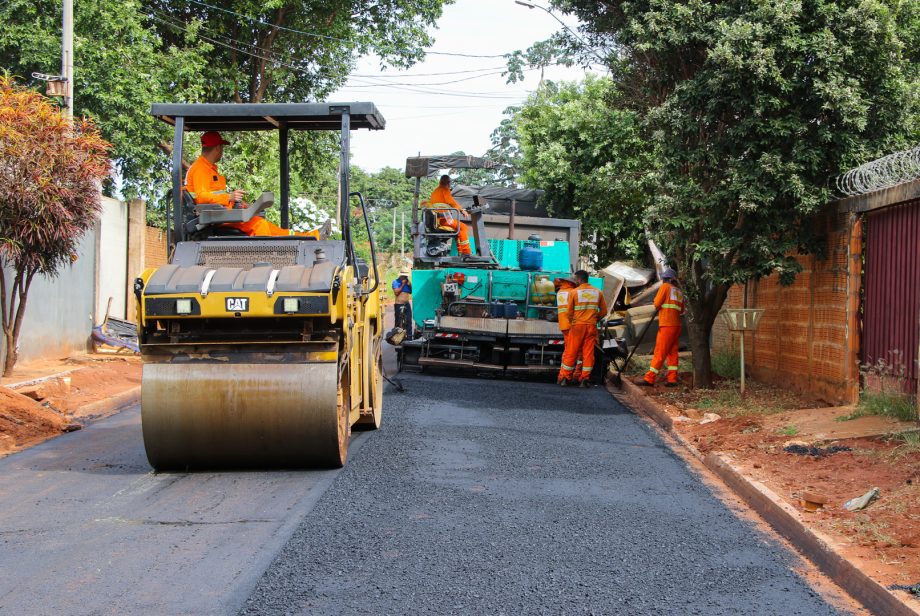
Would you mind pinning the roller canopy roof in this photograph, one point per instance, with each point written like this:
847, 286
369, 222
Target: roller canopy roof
499, 199
429, 166
269, 116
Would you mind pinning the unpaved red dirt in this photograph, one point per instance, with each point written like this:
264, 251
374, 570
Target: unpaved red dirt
97, 379
25, 421
883, 539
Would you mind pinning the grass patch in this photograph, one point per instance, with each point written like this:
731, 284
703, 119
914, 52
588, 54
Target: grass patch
789, 431
908, 445
895, 404
727, 364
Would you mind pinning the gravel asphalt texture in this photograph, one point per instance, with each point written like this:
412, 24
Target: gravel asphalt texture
508, 497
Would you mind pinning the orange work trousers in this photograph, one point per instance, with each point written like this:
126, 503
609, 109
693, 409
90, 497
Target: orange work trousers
578, 363
447, 221
580, 340
665, 348
259, 226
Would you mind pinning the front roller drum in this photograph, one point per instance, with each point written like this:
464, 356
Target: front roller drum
221, 416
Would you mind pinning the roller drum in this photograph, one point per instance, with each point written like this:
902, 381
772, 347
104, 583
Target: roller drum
217, 416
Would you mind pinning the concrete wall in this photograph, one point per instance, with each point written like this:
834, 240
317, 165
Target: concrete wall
59, 311
808, 336
113, 248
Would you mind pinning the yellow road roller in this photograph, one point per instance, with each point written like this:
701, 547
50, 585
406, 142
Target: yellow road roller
259, 352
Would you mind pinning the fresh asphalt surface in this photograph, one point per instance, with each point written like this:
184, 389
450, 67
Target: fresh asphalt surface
476, 496
504, 497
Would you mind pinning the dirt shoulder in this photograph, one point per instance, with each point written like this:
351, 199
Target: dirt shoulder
815, 457
45, 399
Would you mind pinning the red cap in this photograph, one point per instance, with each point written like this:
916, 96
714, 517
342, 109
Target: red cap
212, 138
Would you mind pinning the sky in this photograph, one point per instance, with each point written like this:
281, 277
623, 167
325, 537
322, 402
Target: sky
448, 117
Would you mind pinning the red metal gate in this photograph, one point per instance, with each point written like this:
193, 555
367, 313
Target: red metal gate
891, 314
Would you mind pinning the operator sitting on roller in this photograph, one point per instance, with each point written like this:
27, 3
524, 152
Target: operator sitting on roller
448, 221
206, 185
669, 301
586, 306
563, 288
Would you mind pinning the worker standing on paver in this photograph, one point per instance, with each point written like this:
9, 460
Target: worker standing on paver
563, 288
402, 291
586, 305
669, 302
447, 220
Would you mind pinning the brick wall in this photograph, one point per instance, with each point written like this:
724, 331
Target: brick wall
155, 253
808, 338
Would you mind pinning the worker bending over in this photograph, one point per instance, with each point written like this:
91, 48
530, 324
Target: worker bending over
446, 220
563, 288
585, 307
669, 302
206, 185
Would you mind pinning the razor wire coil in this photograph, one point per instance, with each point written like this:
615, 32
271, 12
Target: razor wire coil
882, 173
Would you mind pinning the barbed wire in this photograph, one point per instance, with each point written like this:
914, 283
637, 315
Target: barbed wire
882, 173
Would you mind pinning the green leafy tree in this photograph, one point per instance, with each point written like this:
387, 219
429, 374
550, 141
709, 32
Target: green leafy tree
49, 197
591, 159
751, 107
131, 54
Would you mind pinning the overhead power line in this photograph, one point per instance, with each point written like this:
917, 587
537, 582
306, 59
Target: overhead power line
330, 38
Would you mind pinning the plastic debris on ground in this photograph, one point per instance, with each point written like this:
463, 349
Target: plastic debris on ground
709, 418
861, 502
117, 334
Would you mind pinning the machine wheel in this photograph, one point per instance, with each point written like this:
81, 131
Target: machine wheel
343, 411
372, 421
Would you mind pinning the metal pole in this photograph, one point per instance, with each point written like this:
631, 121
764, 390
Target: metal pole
402, 237
178, 218
67, 56
285, 177
742, 362
393, 234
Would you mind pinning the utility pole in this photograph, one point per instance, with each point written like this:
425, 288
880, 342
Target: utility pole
67, 56
402, 237
393, 235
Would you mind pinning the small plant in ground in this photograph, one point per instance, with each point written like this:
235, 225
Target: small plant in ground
885, 390
908, 444
789, 431
727, 364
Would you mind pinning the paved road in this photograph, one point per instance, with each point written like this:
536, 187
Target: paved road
87, 528
500, 497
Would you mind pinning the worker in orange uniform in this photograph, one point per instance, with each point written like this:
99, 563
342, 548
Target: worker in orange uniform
586, 306
563, 287
206, 185
669, 302
448, 221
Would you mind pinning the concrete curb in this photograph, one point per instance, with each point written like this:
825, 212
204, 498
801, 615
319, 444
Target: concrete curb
778, 514
108, 407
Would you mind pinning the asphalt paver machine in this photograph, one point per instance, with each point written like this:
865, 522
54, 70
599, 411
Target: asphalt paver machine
495, 310
259, 351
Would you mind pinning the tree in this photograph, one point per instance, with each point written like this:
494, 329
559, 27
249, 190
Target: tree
591, 159
206, 51
50, 174
751, 107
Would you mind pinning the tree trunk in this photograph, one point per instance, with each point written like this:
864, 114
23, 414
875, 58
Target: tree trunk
11, 356
12, 324
702, 357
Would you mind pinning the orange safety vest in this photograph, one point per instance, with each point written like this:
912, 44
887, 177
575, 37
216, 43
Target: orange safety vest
562, 307
586, 305
670, 304
205, 184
